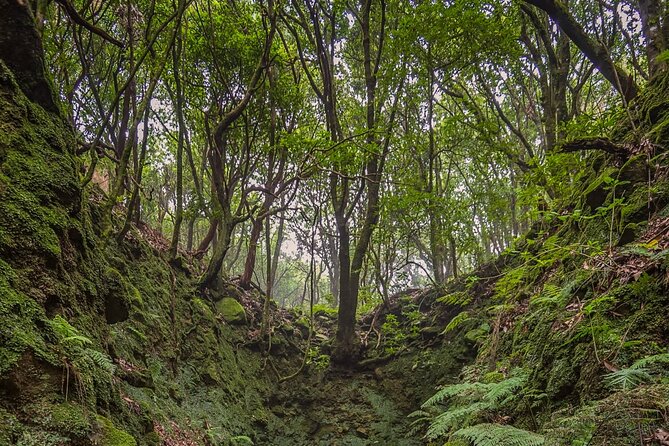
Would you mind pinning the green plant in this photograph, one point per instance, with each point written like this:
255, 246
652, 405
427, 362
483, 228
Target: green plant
459, 298
457, 321
633, 376
467, 402
392, 334
488, 434
84, 364
240, 440
317, 359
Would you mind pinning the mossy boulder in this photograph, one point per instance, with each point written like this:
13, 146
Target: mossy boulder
110, 435
231, 310
71, 419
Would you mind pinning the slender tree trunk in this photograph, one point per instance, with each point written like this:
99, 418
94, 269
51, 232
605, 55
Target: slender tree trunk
225, 228
190, 232
179, 105
652, 28
249, 264
209, 236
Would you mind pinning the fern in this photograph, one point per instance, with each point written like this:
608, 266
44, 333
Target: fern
627, 379
462, 390
636, 374
504, 389
100, 360
63, 329
77, 339
550, 295
469, 402
84, 364
458, 320
648, 360
453, 418
460, 299
498, 435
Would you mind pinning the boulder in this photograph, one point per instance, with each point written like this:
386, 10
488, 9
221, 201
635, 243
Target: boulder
231, 310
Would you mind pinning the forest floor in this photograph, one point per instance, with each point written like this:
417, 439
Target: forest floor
343, 408
368, 404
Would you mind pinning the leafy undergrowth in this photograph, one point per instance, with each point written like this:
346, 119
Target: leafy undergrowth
561, 341
570, 324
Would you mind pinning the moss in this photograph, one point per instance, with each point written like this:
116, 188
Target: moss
202, 308
71, 418
231, 310
152, 439
110, 435
19, 315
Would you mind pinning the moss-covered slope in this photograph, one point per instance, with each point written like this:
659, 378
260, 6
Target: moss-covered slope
571, 322
99, 343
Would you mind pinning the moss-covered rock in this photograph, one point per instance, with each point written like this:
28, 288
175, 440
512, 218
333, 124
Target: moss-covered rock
231, 310
110, 435
71, 419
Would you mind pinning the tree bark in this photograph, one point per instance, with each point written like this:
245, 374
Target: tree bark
652, 27
21, 50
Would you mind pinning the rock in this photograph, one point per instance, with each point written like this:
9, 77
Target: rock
231, 310
110, 435
362, 432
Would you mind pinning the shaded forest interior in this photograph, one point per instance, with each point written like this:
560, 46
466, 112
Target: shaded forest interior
311, 222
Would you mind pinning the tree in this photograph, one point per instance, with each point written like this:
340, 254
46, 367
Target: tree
593, 50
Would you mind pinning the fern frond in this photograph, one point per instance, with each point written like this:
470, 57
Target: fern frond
648, 360
419, 414
627, 379
550, 295
462, 389
459, 298
503, 389
458, 320
62, 327
77, 339
498, 435
453, 418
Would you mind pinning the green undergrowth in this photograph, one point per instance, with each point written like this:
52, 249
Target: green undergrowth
574, 325
102, 343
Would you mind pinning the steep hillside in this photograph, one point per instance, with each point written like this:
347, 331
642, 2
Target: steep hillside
99, 340
571, 322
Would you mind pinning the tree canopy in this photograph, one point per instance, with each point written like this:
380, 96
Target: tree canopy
394, 142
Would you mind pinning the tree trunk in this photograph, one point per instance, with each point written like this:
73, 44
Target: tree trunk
21, 50
652, 28
179, 106
225, 228
250, 262
597, 53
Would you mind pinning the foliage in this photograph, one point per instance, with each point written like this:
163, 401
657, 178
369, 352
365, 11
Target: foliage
636, 374
317, 359
467, 403
393, 334
88, 367
457, 321
487, 434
